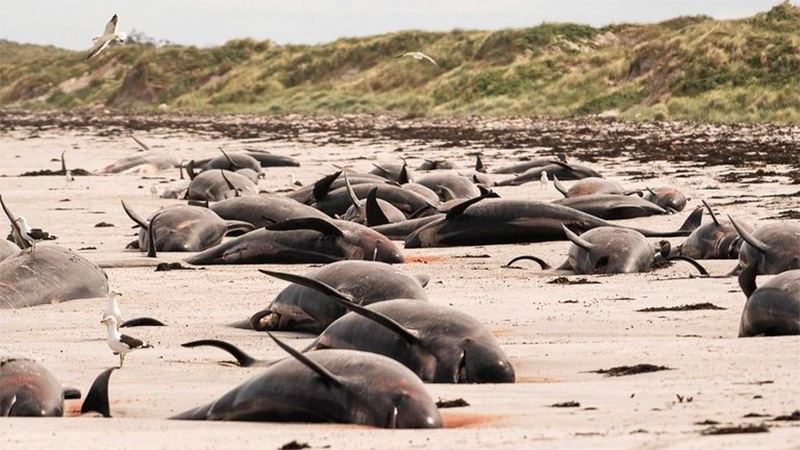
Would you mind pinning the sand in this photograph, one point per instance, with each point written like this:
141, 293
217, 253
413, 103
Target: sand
555, 334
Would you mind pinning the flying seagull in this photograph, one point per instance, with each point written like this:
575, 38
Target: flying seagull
32, 235
110, 33
121, 344
418, 56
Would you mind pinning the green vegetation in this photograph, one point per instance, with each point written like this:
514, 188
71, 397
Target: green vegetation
693, 68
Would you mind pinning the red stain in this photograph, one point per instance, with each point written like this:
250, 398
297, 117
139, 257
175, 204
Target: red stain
424, 259
465, 420
72, 408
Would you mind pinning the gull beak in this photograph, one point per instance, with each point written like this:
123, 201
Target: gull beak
119, 293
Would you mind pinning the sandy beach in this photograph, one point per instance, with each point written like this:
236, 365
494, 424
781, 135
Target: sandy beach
555, 334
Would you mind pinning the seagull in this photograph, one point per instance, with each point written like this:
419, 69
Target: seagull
121, 344
154, 191
543, 179
110, 33
294, 180
32, 235
418, 56
112, 308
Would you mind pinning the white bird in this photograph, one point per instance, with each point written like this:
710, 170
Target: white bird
112, 308
32, 235
121, 344
294, 180
543, 179
418, 56
110, 33
154, 191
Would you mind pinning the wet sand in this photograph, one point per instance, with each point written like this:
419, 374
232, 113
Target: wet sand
555, 334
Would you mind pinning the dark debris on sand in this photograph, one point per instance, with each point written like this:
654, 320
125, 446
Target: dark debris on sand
48, 172
294, 445
622, 371
707, 422
790, 214
103, 225
736, 429
166, 267
569, 404
587, 139
793, 417
565, 280
692, 307
457, 403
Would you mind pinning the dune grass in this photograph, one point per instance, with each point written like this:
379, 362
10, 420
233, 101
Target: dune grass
691, 68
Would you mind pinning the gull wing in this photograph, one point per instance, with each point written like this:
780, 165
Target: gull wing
111, 26
428, 58
132, 342
98, 46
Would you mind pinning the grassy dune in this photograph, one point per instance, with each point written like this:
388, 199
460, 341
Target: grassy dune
693, 68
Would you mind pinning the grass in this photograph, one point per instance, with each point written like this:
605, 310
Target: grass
692, 68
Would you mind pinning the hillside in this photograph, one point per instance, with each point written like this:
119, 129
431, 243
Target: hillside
691, 68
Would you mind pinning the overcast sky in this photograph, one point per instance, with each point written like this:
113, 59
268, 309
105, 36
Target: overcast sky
73, 23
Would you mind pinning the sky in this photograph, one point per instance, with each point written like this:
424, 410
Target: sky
72, 23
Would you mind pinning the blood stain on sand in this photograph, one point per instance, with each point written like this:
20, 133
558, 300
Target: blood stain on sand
503, 332
466, 420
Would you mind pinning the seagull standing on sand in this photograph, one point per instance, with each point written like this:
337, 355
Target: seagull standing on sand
112, 308
418, 56
110, 33
121, 344
31, 235
543, 179
68, 176
154, 191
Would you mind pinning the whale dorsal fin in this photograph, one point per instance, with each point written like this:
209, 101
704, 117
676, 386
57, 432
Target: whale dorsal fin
375, 215
326, 374
577, 240
306, 223
711, 212
323, 186
347, 301
749, 238
97, 398
132, 214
